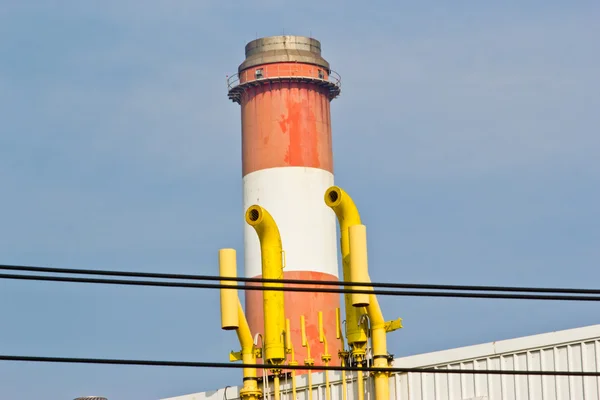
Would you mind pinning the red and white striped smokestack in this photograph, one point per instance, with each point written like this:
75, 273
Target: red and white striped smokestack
284, 88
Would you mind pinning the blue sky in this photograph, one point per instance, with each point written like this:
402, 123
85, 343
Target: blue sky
467, 133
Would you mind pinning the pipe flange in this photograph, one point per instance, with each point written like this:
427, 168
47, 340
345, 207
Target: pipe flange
250, 393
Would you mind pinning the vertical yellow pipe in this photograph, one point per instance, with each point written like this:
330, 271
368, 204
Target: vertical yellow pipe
361, 385
228, 297
293, 362
310, 396
340, 335
327, 387
230, 304
382, 387
359, 262
308, 360
276, 386
325, 357
344, 384
272, 268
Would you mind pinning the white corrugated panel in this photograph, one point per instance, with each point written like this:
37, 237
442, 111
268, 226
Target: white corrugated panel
570, 350
569, 357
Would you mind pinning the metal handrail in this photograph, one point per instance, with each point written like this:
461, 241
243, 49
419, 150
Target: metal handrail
234, 80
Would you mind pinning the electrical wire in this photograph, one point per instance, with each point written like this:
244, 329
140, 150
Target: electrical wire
300, 289
199, 364
133, 274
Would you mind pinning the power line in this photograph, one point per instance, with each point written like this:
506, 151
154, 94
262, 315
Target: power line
300, 289
200, 364
133, 274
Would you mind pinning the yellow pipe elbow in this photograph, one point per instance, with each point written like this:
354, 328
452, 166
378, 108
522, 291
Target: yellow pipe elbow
272, 268
268, 234
343, 206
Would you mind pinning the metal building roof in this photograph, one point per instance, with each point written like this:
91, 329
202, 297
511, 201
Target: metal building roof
568, 350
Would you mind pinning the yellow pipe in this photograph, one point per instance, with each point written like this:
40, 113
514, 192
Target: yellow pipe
344, 384
347, 214
382, 387
245, 339
227, 268
293, 362
359, 261
310, 396
250, 391
349, 221
229, 297
361, 385
276, 386
308, 360
339, 335
272, 268
327, 388
325, 357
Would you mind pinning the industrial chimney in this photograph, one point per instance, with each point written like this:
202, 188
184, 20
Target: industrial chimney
284, 88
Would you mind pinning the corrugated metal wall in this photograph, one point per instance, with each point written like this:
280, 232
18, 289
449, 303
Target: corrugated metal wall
569, 357
572, 350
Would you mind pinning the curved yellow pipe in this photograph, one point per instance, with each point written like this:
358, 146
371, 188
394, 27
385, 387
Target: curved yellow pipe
347, 214
237, 320
343, 206
245, 337
272, 268
250, 390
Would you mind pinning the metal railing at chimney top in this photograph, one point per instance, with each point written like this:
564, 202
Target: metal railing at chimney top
249, 75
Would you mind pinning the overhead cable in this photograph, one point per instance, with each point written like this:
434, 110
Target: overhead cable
299, 289
200, 364
134, 274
